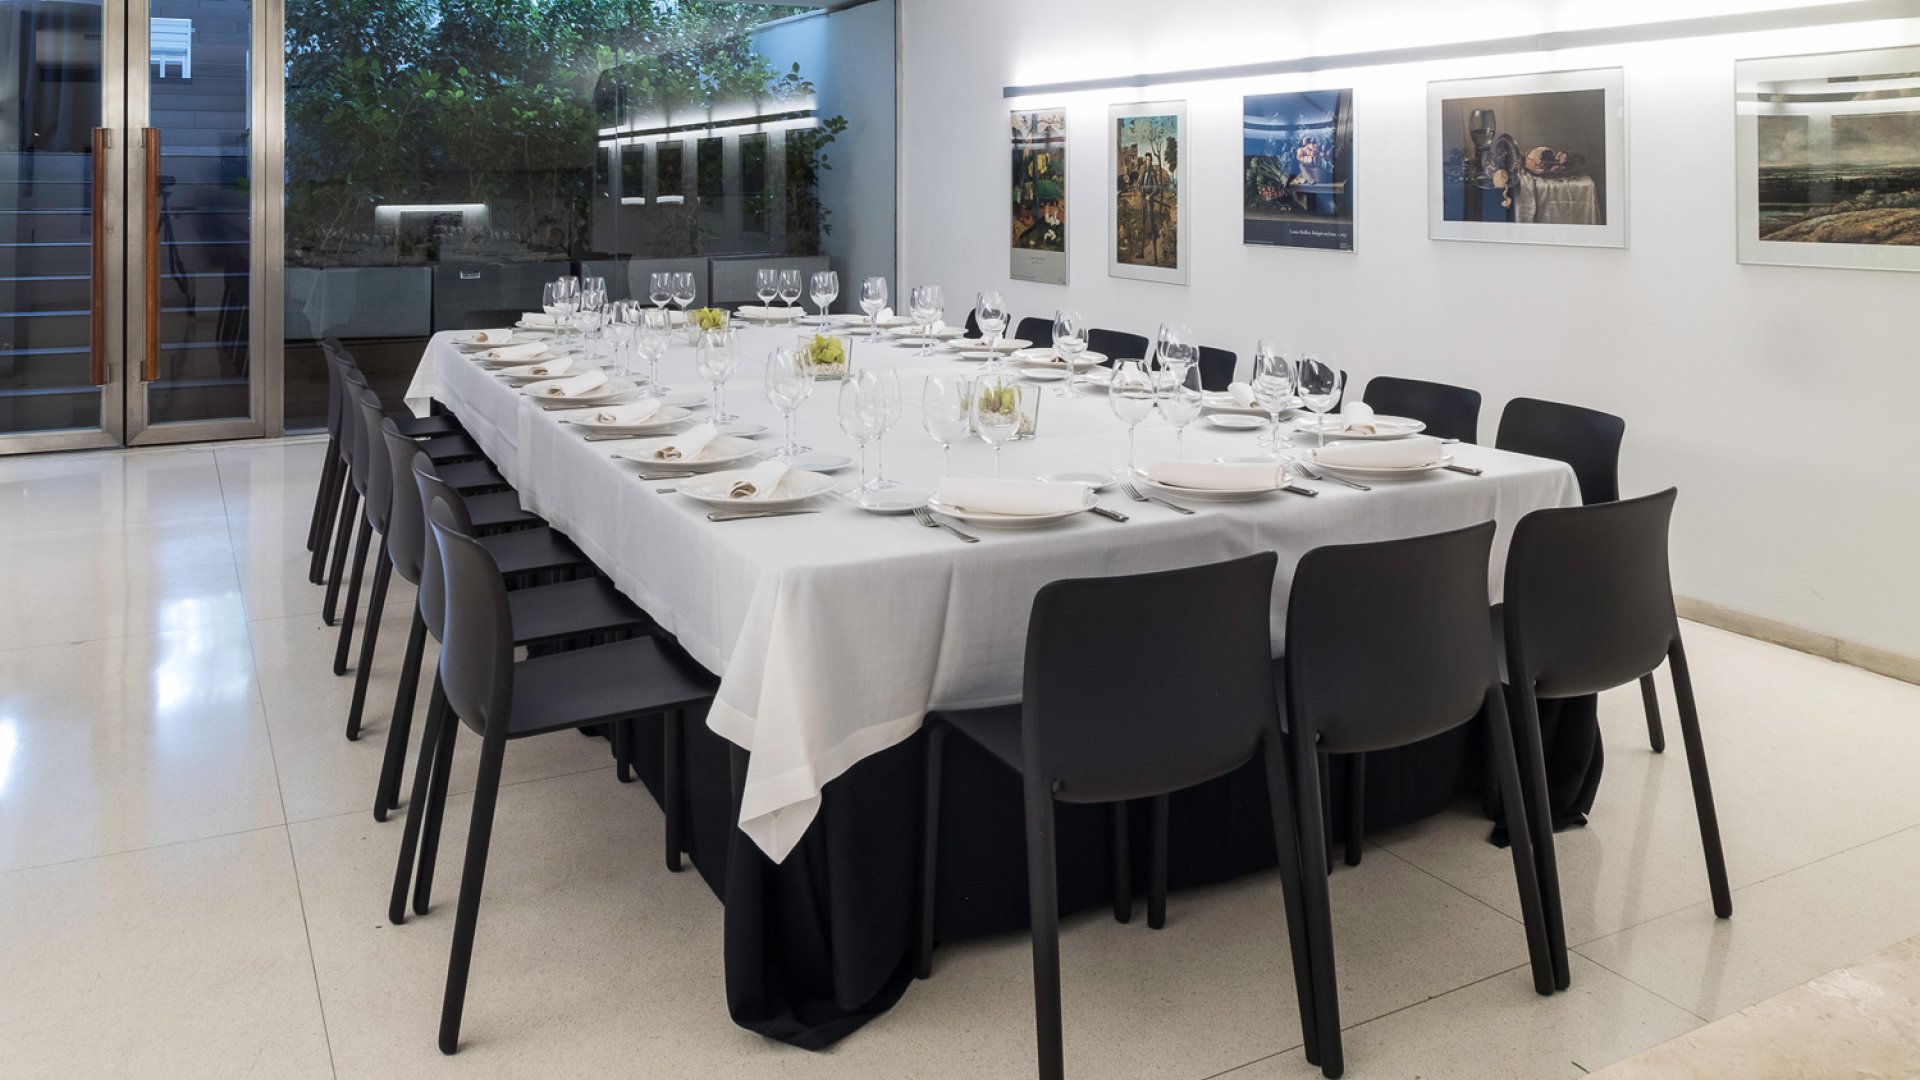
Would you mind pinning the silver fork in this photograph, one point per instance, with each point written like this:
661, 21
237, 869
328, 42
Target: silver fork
1134, 494
925, 517
1311, 475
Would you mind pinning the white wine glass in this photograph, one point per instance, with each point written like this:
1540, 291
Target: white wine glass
1319, 385
683, 290
996, 411
990, 312
873, 298
888, 408
946, 402
1272, 385
1131, 396
789, 383
715, 358
1070, 340
660, 290
789, 287
766, 285
824, 289
1180, 399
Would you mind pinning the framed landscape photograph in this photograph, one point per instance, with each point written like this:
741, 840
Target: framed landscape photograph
1297, 169
1829, 159
1039, 223
1149, 218
1529, 159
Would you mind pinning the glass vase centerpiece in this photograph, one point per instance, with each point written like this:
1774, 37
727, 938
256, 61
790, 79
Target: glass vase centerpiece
705, 320
829, 355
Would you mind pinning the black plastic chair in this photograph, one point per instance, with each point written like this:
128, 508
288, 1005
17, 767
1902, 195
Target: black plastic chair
1037, 329
581, 609
1081, 736
1589, 607
503, 700
1117, 345
1216, 368
1450, 412
1387, 644
350, 544
492, 319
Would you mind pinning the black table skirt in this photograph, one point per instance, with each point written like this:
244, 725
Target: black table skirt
821, 943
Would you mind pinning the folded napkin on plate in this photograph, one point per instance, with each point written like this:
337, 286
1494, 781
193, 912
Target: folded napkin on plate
1242, 395
490, 337
1356, 418
559, 365
539, 318
584, 383
1410, 453
515, 352
1218, 475
760, 482
1020, 498
687, 446
637, 413
884, 317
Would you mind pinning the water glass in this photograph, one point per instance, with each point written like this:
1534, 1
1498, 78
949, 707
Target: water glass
825, 289
1319, 385
683, 290
789, 383
715, 359
1272, 385
996, 411
873, 297
990, 312
789, 285
1175, 346
1070, 340
862, 416
1131, 395
766, 284
1180, 403
946, 404
623, 322
660, 290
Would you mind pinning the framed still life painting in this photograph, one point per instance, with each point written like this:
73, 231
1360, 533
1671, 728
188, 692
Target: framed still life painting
1829, 159
1529, 159
1148, 169
1039, 221
1297, 169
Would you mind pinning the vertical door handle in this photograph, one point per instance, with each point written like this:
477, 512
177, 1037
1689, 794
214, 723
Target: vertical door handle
97, 314
151, 138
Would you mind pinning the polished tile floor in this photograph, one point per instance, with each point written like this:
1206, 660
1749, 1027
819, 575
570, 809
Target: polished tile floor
191, 883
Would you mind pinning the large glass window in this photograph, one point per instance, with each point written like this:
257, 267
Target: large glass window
445, 157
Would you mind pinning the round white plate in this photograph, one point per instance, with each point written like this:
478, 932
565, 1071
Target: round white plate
944, 333
814, 461
1004, 345
1236, 421
1099, 376
544, 328
465, 342
723, 451
771, 314
492, 364
524, 374
1013, 521
890, 501
1219, 401
1042, 374
659, 422
1386, 427
1377, 472
1098, 481
1047, 358
795, 488
609, 392
684, 399
1206, 494
741, 429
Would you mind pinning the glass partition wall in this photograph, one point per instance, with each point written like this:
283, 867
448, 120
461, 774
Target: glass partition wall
446, 157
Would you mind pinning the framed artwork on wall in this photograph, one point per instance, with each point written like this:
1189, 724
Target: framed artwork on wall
1148, 225
1039, 208
1529, 159
1828, 151
1297, 169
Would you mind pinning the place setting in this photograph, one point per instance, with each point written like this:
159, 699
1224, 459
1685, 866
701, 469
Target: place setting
700, 449
584, 390
768, 489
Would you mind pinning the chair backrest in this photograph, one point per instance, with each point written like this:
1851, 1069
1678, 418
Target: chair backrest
973, 324
476, 647
373, 453
1117, 344
491, 319
1589, 598
352, 385
1037, 329
1389, 643
1216, 368
406, 530
1099, 725
335, 398
1450, 412
1587, 439
432, 489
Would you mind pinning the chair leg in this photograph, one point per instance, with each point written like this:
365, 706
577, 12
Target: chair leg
1157, 866
1326, 806
1526, 862
352, 608
1702, 787
1043, 909
314, 526
369, 641
1356, 806
670, 784
1538, 815
436, 809
486, 793
387, 795
342, 540
1656, 734
1318, 906
329, 512
1122, 863
623, 750
1286, 843
416, 807
929, 850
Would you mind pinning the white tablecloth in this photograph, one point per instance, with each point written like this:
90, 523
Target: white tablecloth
835, 633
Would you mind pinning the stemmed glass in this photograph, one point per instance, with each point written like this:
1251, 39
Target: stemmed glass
862, 416
1131, 395
1175, 346
928, 305
655, 331
1070, 340
789, 287
566, 292
552, 302
990, 311
945, 407
766, 284
889, 406
1319, 387
789, 382
825, 289
996, 411
593, 310
660, 290
623, 322
1273, 388
683, 291
1180, 397
715, 358
873, 297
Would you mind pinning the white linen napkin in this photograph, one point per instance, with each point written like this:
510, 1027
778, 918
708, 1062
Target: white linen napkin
584, 383
885, 316
559, 365
539, 318
1408, 453
631, 415
1356, 417
515, 352
1243, 396
688, 446
1218, 475
760, 482
490, 337
1017, 498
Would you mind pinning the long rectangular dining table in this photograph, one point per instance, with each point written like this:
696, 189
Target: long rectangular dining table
834, 633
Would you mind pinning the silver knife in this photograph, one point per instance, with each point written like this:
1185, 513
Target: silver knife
1298, 490
1468, 469
734, 515
1113, 515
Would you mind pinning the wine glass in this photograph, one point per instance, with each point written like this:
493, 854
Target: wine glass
593, 308
990, 311
683, 290
789, 383
715, 358
1272, 385
888, 408
1070, 340
1319, 387
946, 402
859, 415
1180, 404
1132, 397
660, 290
623, 322
924, 306
996, 411
825, 289
789, 287
656, 330
873, 297
551, 302
766, 284
1175, 346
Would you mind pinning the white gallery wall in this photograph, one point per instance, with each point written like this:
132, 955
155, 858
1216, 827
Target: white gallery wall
1783, 402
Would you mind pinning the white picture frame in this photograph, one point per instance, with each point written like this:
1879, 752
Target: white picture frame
1038, 144
1139, 137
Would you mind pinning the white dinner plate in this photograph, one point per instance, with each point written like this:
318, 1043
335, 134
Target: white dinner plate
1098, 481
1219, 401
544, 328
542, 372
890, 501
1014, 521
1047, 358
658, 423
1098, 377
771, 314
1236, 421
1207, 494
741, 429
1376, 472
609, 392
1041, 374
943, 333
495, 364
796, 487
814, 461
684, 399
723, 451
1385, 427
1004, 345
465, 342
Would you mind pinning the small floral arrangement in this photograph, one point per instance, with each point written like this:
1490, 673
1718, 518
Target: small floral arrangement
826, 354
708, 318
